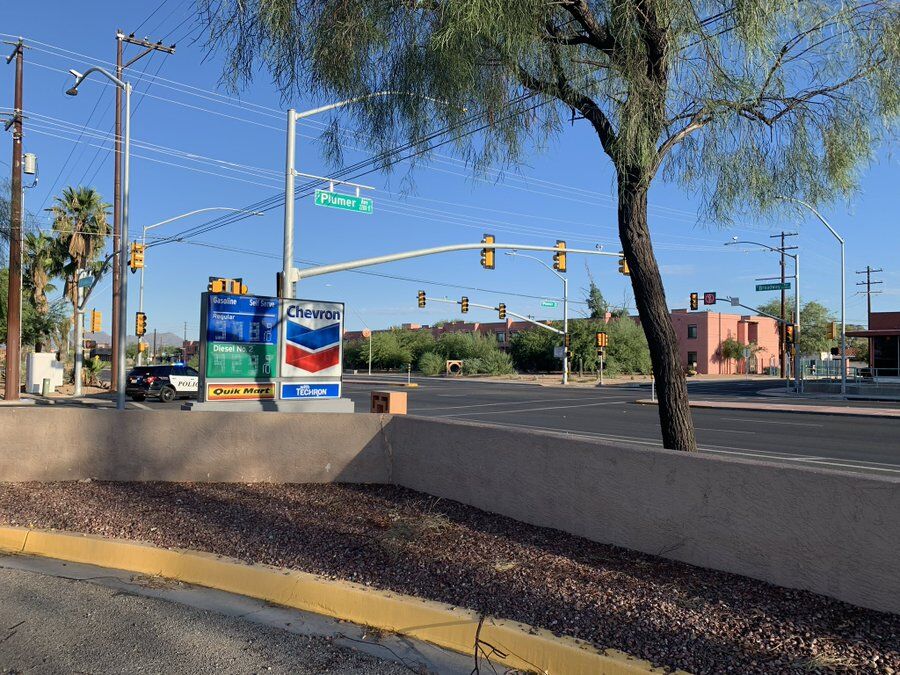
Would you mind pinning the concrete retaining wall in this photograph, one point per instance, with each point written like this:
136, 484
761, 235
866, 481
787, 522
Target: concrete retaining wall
67, 443
826, 531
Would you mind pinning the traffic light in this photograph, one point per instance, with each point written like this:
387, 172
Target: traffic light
464, 304
487, 254
238, 287
140, 324
501, 311
559, 258
789, 337
602, 340
695, 301
623, 265
96, 321
421, 299
136, 260
217, 285
567, 341
142, 347
833, 331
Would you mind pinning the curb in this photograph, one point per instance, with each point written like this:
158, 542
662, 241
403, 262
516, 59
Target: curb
515, 645
880, 413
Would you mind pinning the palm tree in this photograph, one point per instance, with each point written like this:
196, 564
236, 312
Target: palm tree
81, 226
42, 264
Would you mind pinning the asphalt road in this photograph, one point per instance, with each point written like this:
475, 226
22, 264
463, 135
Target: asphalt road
848, 443
60, 617
859, 444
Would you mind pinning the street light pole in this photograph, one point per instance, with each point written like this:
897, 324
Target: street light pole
123, 260
565, 280
287, 261
140, 358
843, 287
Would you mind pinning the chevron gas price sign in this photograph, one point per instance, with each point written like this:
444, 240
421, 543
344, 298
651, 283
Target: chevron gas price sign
263, 345
311, 349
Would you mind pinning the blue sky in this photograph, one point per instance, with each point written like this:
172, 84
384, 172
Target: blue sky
564, 192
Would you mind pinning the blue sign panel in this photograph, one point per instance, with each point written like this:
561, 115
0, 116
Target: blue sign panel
242, 318
295, 390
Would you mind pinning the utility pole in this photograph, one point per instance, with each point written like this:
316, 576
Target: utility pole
781, 345
14, 297
149, 47
869, 292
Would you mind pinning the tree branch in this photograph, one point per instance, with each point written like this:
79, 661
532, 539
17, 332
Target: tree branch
597, 34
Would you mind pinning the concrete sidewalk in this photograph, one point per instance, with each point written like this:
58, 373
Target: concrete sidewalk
790, 408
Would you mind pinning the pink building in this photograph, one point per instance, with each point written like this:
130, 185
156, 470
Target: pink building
701, 333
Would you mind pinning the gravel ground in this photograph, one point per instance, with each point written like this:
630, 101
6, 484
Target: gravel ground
50, 625
670, 613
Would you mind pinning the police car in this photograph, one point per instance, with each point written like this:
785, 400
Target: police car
163, 382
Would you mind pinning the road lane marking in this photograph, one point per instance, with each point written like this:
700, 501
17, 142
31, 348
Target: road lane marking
758, 421
526, 410
726, 430
719, 449
481, 405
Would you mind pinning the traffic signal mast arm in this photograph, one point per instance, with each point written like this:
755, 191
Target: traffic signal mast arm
734, 303
379, 260
509, 312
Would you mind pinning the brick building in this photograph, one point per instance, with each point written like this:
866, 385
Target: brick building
699, 336
883, 334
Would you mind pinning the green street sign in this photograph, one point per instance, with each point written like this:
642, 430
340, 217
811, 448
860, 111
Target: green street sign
336, 200
238, 360
786, 286
549, 303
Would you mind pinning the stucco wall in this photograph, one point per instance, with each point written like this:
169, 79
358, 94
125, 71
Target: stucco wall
826, 531
64, 443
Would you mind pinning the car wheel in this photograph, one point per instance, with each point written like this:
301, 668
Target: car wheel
167, 394
137, 397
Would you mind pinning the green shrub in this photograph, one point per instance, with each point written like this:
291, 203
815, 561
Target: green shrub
431, 364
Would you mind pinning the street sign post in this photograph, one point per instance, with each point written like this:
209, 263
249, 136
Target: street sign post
337, 200
549, 303
783, 286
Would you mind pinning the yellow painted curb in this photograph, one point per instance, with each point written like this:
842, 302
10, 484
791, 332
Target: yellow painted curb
409, 385
523, 647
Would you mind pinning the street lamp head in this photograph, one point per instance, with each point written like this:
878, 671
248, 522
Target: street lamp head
72, 92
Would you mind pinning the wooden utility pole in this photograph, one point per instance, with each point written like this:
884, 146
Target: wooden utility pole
149, 47
869, 292
14, 297
781, 344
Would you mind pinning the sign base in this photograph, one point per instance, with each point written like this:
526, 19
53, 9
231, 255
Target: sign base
334, 405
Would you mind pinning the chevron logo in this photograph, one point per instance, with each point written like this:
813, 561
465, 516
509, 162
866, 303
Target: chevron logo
312, 350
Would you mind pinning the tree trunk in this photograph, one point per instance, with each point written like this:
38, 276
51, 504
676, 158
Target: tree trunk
671, 386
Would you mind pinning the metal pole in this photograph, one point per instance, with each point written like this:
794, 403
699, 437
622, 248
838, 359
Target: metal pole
797, 328
79, 335
140, 354
601, 370
370, 352
117, 220
14, 290
287, 264
123, 259
565, 379
843, 322
781, 332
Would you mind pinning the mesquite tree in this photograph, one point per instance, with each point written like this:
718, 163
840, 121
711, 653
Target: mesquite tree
739, 100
